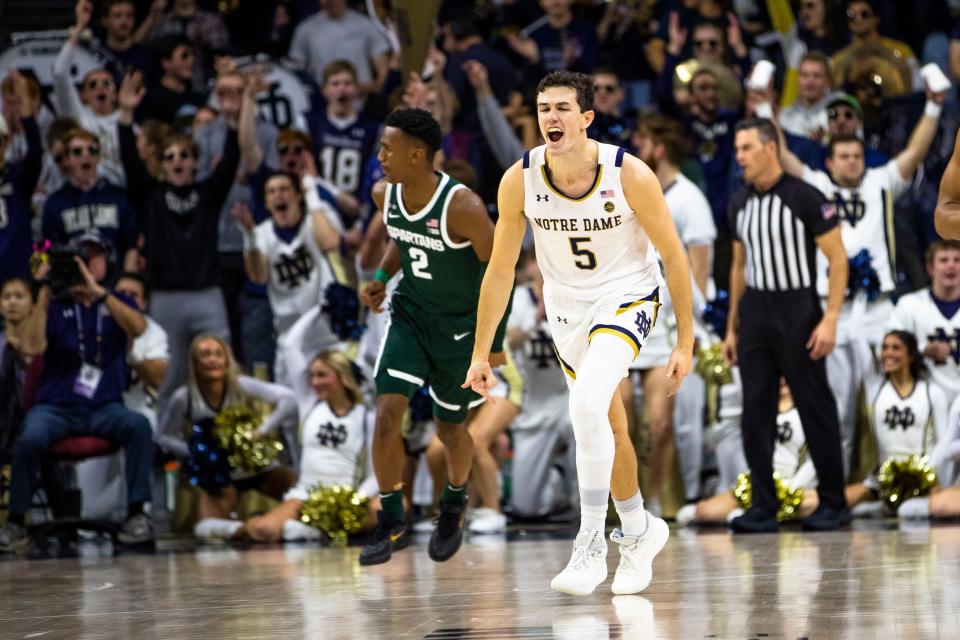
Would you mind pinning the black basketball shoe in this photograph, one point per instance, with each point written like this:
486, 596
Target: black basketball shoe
448, 534
384, 540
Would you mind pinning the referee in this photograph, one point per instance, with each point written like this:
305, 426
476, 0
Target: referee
776, 325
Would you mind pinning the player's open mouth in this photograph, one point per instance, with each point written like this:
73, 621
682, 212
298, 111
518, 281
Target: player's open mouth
281, 207
554, 133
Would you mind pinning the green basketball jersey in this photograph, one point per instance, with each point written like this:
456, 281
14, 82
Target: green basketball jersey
439, 275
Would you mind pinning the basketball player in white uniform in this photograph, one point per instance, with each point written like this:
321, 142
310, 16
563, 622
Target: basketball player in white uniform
598, 217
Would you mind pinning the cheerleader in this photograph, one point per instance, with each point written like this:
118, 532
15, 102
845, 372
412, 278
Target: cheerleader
336, 430
214, 384
907, 413
790, 461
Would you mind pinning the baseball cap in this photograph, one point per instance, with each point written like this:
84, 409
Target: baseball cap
847, 99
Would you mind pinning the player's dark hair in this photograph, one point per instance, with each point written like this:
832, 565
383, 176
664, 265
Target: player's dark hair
914, 357
26, 283
765, 129
294, 180
165, 46
419, 124
581, 83
844, 138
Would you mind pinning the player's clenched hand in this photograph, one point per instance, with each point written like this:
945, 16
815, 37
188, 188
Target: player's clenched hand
679, 365
372, 296
480, 378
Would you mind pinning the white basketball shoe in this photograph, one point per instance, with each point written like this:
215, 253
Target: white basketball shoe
636, 556
587, 567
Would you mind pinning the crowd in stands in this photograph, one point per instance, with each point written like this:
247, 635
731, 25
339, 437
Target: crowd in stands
185, 211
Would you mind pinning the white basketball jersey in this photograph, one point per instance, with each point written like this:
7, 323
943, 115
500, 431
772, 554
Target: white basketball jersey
592, 245
917, 313
790, 447
904, 426
298, 271
334, 448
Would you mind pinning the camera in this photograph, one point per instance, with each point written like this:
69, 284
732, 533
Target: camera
64, 271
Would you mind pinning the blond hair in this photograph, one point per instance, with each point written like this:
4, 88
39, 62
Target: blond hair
233, 394
344, 368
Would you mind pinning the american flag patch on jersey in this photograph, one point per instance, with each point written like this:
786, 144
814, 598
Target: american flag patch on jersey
607, 193
828, 210
433, 223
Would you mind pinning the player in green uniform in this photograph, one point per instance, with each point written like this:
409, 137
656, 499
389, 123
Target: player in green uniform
441, 239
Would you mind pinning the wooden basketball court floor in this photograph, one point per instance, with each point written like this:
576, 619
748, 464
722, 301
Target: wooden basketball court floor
876, 580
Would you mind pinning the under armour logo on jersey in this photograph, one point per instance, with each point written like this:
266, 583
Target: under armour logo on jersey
293, 270
895, 417
852, 210
331, 435
563, 320
546, 197
643, 323
541, 350
953, 340
784, 432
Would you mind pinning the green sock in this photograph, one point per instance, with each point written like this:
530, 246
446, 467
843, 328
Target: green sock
392, 505
454, 495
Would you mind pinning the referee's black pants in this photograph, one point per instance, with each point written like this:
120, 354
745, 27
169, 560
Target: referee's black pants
772, 338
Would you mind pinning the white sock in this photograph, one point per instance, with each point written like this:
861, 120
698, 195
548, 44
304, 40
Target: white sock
736, 513
687, 515
593, 509
633, 517
914, 509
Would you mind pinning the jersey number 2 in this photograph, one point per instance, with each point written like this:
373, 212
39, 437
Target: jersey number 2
419, 264
587, 258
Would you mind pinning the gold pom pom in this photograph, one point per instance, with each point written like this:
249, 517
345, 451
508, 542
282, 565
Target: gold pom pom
712, 367
234, 428
338, 511
904, 478
788, 497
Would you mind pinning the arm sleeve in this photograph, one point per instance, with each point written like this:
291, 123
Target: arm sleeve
282, 400
139, 182
813, 209
170, 425
942, 430
32, 163
496, 129
221, 180
67, 99
290, 347
817, 179
903, 320
299, 46
698, 227
51, 225
892, 179
664, 87
865, 368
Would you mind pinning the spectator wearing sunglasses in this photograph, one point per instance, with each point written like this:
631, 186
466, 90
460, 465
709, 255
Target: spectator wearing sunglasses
863, 19
94, 106
180, 219
17, 182
608, 124
172, 98
89, 202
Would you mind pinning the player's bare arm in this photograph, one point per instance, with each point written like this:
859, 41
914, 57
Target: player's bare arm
642, 191
498, 279
947, 216
373, 293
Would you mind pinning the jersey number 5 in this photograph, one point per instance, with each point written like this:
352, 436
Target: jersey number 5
587, 258
419, 264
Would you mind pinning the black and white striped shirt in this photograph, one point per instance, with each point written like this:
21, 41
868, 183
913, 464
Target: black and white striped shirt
778, 229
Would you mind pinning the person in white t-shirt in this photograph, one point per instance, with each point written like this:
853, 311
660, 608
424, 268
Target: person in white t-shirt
95, 107
863, 200
286, 253
807, 116
931, 315
661, 143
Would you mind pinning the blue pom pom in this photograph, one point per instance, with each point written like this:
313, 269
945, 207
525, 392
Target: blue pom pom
206, 468
342, 306
421, 405
862, 276
715, 313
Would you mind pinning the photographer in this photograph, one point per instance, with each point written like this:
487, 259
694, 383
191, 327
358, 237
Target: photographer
82, 329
